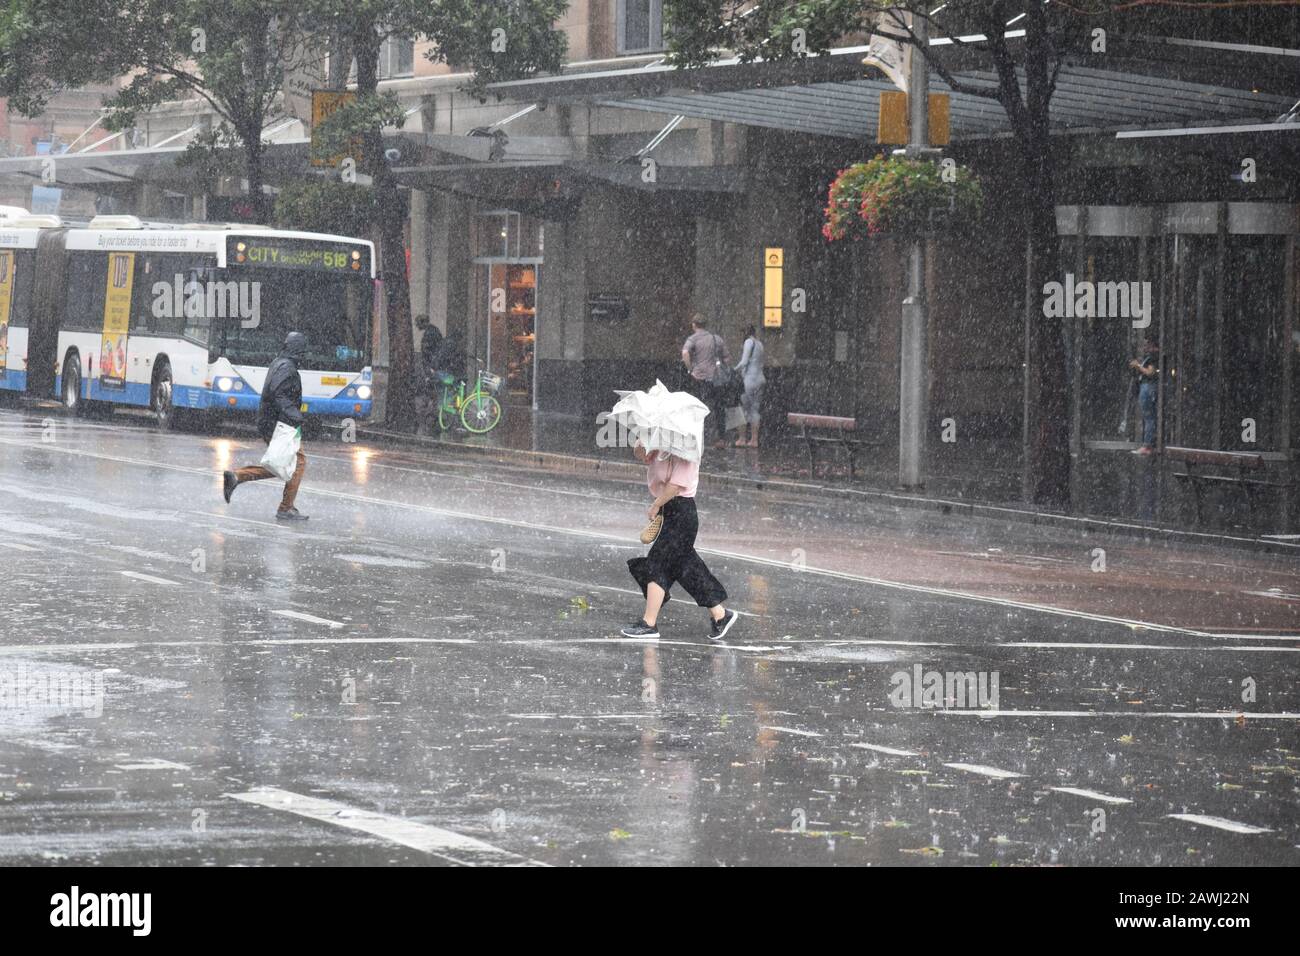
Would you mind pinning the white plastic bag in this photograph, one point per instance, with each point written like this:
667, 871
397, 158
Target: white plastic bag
281, 458
735, 418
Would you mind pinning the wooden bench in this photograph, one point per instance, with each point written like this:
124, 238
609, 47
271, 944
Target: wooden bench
829, 430
1241, 465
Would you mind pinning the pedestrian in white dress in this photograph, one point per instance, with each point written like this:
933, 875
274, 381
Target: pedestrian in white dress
751, 369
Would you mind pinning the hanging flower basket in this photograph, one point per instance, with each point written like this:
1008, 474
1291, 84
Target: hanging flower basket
900, 198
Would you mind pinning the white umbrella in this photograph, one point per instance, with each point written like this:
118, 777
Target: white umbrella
661, 420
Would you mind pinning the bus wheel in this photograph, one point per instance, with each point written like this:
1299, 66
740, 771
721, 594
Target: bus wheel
163, 410
72, 384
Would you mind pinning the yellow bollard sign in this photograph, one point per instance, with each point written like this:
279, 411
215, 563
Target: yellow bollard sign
773, 286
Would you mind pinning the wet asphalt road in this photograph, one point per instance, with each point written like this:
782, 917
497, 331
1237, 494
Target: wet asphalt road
426, 672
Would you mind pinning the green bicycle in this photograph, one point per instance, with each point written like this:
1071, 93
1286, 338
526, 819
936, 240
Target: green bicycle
479, 411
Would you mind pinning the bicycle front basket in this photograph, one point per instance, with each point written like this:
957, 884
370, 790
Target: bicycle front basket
491, 383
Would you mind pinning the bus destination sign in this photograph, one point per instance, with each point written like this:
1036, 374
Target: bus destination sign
297, 254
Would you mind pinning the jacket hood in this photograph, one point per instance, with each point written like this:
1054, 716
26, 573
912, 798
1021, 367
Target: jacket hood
295, 345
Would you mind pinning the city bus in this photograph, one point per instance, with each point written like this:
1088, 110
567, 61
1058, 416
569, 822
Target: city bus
181, 319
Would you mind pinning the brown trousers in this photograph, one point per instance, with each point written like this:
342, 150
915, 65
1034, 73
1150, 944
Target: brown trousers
257, 473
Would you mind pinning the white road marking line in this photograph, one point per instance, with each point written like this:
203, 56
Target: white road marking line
444, 844
150, 578
575, 532
1090, 794
892, 751
636, 593
1258, 637
1219, 823
791, 730
1277, 595
1086, 645
151, 763
309, 618
984, 771
17, 547
644, 716
1208, 715
293, 641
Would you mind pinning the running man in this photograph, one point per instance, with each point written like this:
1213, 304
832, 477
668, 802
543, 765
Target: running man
281, 402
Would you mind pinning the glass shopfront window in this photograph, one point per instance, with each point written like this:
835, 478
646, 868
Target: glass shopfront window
1219, 294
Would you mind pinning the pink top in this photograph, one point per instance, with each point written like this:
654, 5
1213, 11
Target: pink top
678, 471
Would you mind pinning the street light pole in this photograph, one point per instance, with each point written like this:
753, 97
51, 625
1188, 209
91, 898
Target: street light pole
914, 346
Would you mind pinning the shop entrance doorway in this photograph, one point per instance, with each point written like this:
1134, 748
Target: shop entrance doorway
504, 322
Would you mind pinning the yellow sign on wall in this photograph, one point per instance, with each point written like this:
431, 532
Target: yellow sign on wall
893, 127
6, 304
773, 286
117, 320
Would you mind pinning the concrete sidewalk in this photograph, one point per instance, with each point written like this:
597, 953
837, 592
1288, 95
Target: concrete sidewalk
962, 480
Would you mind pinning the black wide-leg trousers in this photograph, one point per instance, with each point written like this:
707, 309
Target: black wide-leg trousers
672, 558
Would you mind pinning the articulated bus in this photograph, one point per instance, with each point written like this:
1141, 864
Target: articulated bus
181, 319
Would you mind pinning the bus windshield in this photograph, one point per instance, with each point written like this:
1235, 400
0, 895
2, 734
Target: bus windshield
332, 310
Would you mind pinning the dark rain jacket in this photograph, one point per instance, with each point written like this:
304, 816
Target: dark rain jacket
282, 392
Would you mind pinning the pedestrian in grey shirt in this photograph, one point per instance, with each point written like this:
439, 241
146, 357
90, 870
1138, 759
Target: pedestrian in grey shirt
701, 354
751, 371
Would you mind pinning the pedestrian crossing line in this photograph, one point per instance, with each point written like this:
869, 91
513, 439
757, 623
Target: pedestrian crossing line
995, 772
791, 730
309, 618
444, 844
1219, 823
152, 763
1090, 794
891, 751
150, 579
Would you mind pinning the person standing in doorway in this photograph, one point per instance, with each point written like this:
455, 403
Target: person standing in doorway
281, 402
702, 353
751, 371
672, 558
1147, 369
430, 345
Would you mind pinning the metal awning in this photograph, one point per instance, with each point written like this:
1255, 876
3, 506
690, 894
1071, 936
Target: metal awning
1085, 99
1145, 83
155, 165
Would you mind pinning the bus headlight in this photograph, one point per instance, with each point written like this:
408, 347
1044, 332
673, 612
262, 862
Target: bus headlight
224, 384
363, 392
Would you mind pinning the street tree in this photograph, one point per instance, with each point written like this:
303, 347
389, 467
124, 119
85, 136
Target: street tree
493, 40
231, 54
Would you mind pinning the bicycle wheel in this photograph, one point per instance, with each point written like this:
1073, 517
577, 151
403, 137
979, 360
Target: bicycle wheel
446, 417
480, 413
